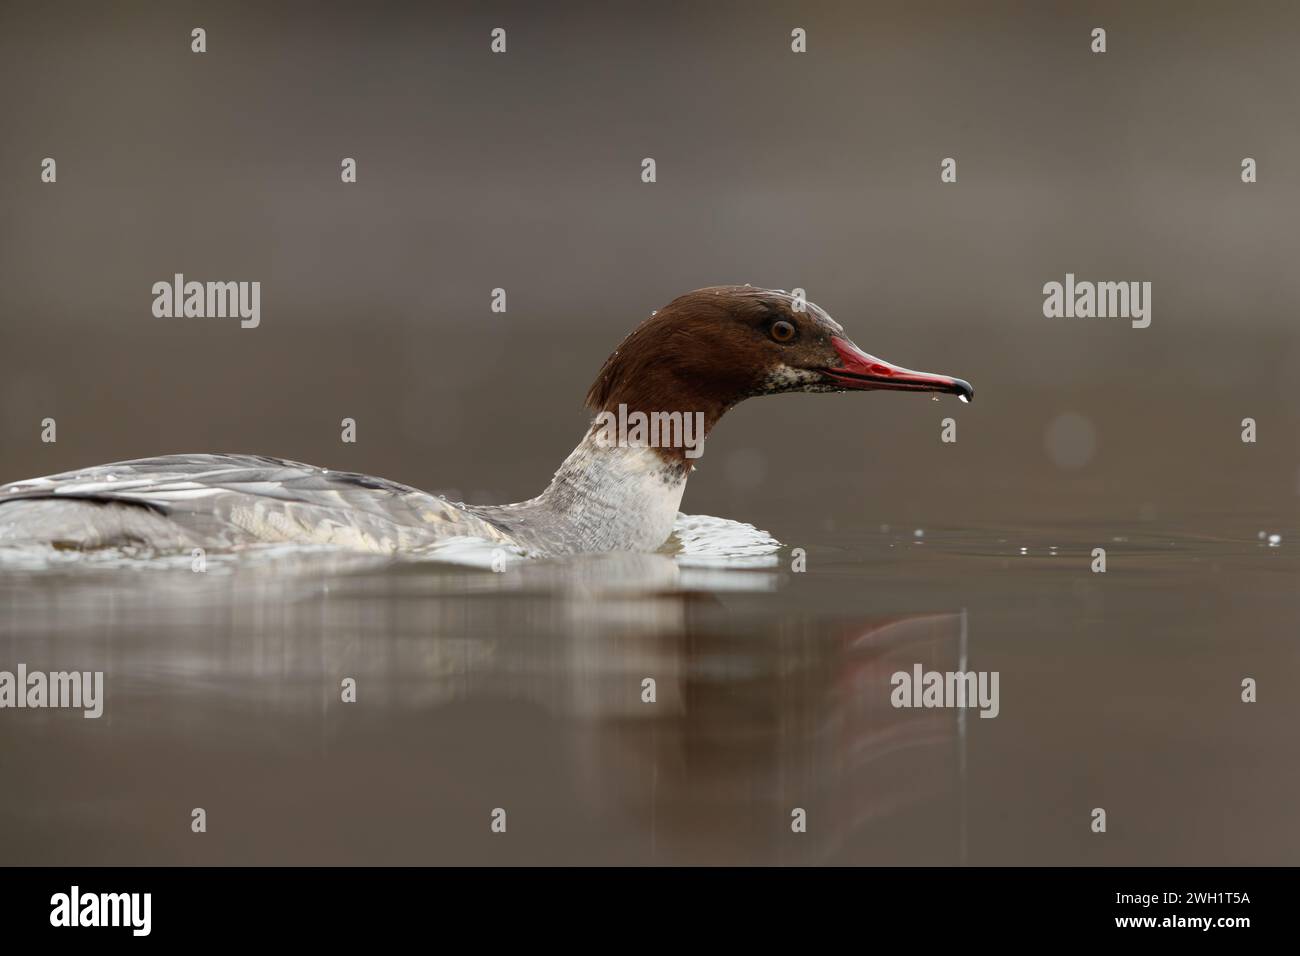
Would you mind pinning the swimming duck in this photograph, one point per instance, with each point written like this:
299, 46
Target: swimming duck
656, 398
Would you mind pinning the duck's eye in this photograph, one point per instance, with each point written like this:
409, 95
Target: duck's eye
782, 331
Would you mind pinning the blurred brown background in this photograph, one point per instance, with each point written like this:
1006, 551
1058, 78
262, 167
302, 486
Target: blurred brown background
522, 171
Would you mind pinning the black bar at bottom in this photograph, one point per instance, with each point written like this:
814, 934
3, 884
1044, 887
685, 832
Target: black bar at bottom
372, 905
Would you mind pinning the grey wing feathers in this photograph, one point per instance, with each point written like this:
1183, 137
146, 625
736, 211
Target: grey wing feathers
177, 501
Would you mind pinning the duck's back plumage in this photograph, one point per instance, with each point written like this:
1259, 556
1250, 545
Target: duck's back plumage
176, 502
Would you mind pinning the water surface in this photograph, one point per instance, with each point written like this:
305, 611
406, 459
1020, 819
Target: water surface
522, 689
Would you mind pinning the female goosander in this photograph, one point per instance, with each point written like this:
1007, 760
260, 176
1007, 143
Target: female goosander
689, 362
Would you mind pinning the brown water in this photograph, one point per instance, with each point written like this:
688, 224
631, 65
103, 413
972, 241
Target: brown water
521, 690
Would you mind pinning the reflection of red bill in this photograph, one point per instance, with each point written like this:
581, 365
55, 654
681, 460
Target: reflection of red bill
886, 758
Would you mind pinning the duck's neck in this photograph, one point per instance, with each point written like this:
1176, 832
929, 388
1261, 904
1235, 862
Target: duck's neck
606, 496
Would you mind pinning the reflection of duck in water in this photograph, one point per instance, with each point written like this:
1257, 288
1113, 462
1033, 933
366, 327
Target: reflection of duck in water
524, 689
749, 727
619, 490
